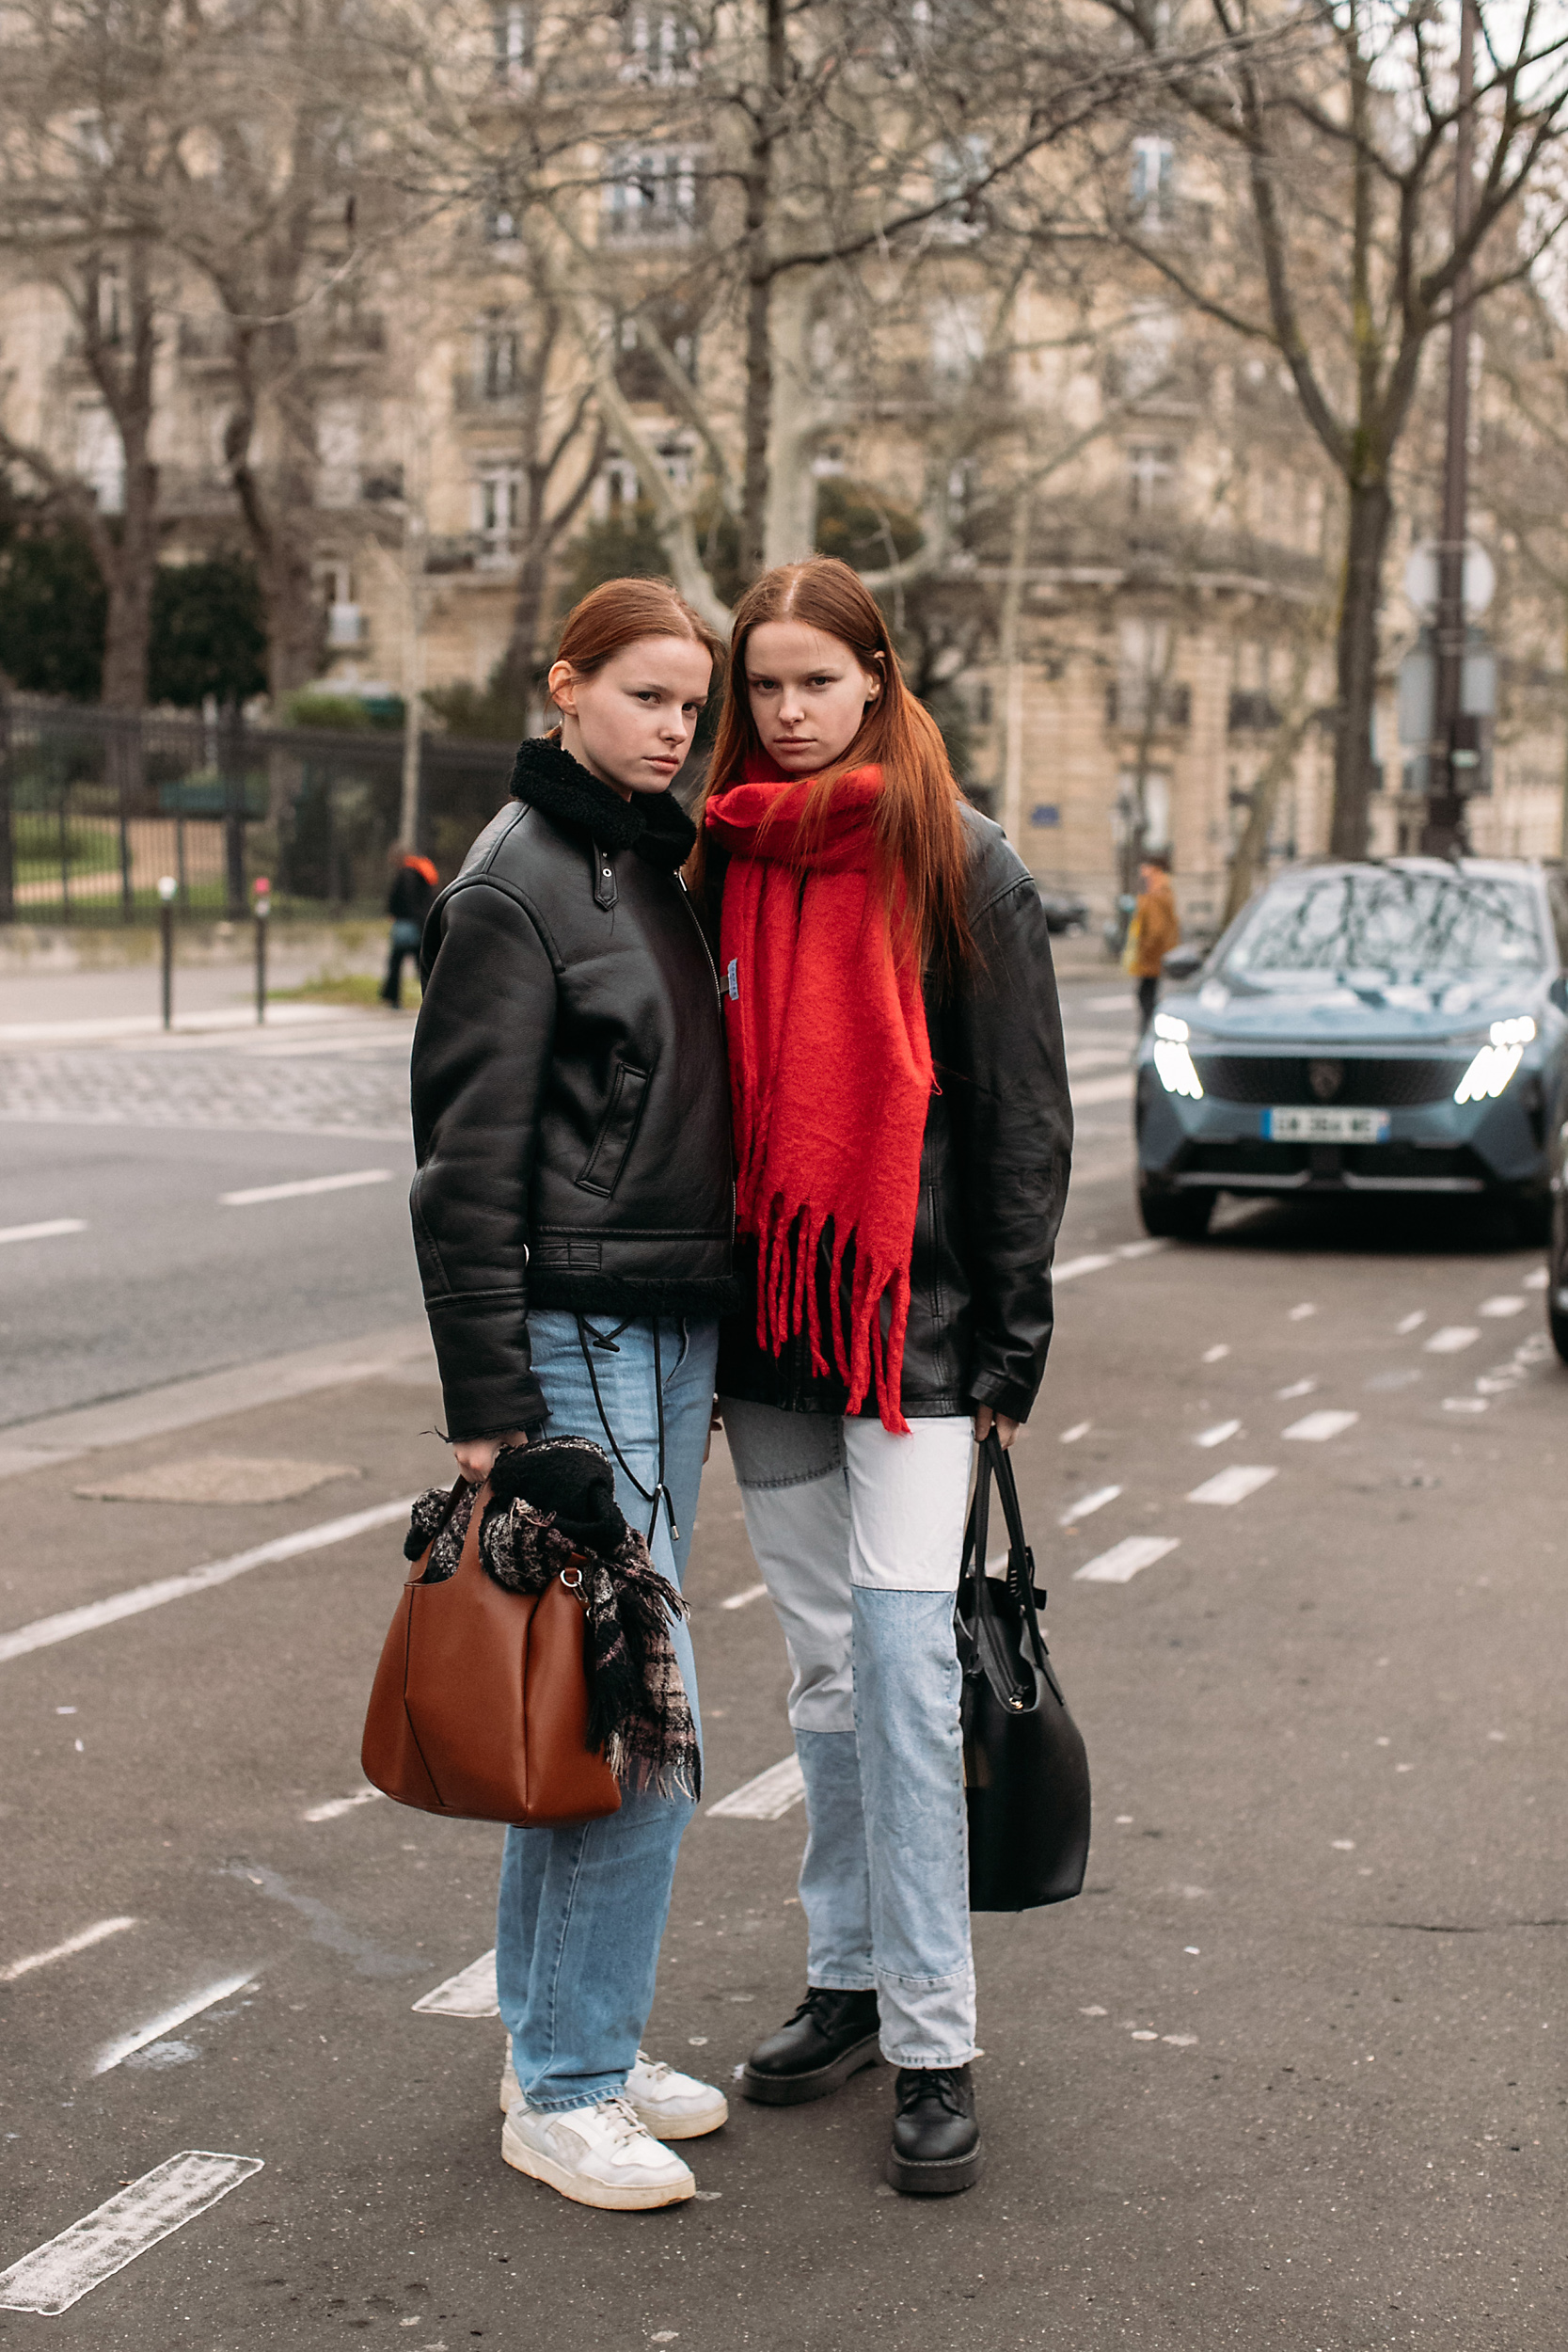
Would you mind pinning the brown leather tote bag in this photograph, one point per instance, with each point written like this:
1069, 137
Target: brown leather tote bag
479, 1704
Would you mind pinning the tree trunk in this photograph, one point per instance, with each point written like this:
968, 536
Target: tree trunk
1253, 847
759, 298
1355, 665
790, 485
128, 576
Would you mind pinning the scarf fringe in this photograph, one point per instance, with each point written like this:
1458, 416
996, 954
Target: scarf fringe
788, 1244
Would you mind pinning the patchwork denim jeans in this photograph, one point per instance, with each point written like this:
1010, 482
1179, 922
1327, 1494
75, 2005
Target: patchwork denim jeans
858, 1535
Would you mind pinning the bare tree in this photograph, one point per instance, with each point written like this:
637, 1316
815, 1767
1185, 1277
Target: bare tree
1333, 242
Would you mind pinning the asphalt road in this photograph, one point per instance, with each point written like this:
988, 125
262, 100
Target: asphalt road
1290, 2073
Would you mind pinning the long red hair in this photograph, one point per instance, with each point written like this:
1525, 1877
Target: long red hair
919, 830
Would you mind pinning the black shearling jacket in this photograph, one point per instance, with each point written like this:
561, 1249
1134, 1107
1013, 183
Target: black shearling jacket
993, 1177
571, 1104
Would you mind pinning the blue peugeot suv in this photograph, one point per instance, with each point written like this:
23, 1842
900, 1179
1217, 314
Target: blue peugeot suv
1398, 1027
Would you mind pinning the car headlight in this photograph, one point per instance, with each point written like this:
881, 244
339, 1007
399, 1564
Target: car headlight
1497, 1061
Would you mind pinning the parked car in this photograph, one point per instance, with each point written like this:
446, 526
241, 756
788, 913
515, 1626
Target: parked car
1369, 1028
1065, 911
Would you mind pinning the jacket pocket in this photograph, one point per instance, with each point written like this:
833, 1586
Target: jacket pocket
601, 1171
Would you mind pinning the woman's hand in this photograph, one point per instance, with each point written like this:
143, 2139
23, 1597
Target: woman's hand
476, 1456
1005, 1427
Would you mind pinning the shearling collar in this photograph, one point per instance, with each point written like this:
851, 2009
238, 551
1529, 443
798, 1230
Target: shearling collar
653, 824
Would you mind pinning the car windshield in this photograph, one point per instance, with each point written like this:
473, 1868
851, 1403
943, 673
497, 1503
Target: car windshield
1387, 924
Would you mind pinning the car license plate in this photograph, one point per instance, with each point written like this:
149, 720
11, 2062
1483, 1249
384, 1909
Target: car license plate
1327, 1126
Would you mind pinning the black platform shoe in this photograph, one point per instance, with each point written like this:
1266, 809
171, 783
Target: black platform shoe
936, 2140
831, 2036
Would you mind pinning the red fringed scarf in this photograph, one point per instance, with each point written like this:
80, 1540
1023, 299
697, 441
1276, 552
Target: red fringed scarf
830, 1070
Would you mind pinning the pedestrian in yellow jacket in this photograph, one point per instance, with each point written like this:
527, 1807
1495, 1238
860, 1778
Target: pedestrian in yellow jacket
1157, 928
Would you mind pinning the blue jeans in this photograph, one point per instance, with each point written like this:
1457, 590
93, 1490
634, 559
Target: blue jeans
858, 1535
581, 1910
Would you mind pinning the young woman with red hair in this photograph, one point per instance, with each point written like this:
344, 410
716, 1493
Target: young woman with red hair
902, 1133
572, 1213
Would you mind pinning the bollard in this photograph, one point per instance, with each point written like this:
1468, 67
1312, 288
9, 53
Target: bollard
166, 888
262, 889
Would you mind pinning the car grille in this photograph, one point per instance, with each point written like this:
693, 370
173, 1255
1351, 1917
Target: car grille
1384, 1083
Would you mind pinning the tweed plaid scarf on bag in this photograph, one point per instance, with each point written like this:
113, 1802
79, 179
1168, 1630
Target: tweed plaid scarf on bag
639, 1715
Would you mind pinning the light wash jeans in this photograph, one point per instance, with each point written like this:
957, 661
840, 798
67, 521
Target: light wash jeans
583, 1908
858, 1535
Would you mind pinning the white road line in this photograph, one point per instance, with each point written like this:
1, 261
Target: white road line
115, 2053
1463, 1405
44, 1632
308, 1184
1087, 1505
1299, 1314
1317, 1428
768, 1798
1141, 1248
46, 1231
1506, 1305
1411, 1323
54, 2276
1123, 1561
471, 1994
1297, 1387
1233, 1484
1214, 1354
1079, 1429
1538, 1280
82, 1941
743, 1600
1217, 1436
335, 1806
1075, 1267
1451, 1338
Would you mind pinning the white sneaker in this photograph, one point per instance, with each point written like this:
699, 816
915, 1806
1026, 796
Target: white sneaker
670, 2105
598, 2155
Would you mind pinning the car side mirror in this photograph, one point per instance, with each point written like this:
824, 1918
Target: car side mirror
1181, 963
1559, 992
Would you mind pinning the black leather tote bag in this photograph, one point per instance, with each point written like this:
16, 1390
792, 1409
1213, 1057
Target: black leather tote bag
1026, 1776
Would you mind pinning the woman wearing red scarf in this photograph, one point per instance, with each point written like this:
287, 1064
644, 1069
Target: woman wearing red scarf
902, 1140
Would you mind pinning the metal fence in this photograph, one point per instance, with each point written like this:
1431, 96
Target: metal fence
96, 806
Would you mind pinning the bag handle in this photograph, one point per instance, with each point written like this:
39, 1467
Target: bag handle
995, 1463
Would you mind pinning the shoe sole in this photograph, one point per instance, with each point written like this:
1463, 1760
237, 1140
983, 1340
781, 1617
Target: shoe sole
916, 2179
793, 2091
583, 2190
682, 2127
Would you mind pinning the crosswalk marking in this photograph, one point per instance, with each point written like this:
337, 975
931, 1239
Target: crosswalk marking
305, 1183
335, 1806
1218, 1433
471, 1994
743, 1598
1087, 1506
1124, 1560
115, 2053
54, 2276
768, 1798
1317, 1428
81, 1942
50, 1228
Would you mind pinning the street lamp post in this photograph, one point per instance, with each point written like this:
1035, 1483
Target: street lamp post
1454, 758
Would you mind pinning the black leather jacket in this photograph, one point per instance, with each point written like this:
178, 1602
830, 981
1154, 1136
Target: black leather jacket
570, 1107
994, 1178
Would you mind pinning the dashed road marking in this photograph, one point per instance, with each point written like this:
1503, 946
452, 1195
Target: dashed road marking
56, 2275
1079, 1429
1213, 1355
1124, 1560
259, 1193
1218, 1433
768, 1798
1411, 1323
44, 1632
1087, 1506
1297, 1387
471, 1994
1091, 1265
1317, 1428
1451, 1338
1507, 1304
1537, 1279
50, 1228
744, 1598
1233, 1484
82, 1941
1299, 1314
115, 2053
335, 1806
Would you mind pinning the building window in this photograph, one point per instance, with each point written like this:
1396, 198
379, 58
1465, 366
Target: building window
1146, 352
640, 369
496, 352
337, 454
618, 487
498, 508
658, 46
512, 33
1151, 467
1152, 179
500, 220
958, 328
650, 195
100, 457
958, 167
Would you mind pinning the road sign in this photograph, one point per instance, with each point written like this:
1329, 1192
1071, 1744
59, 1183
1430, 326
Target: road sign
1422, 575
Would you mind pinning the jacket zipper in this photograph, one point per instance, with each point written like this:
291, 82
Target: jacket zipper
719, 999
